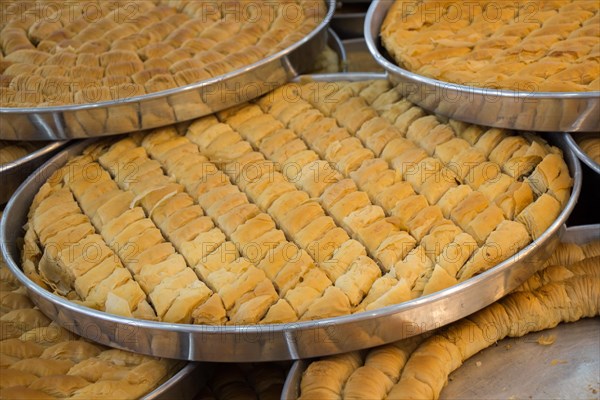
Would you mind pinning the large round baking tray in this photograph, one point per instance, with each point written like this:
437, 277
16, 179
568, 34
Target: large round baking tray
576, 346
336, 44
583, 156
521, 110
209, 96
14, 173
296, 340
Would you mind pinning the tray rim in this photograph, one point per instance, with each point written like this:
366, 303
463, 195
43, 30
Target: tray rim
282, 329
181, 89
378, 7
582, 155
291, 387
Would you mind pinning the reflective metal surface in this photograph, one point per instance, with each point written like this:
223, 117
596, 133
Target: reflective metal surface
334, 41
185, 384
168, 106
296, 340
536, 111
576, 346
583, 156
14, 173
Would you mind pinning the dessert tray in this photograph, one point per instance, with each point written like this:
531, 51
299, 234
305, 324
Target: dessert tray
158, 63
41, 359
277, 274
585, 153
524, 109
558, 363
15, 170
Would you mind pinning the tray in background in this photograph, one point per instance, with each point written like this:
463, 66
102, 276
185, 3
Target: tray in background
520, 110
169, 106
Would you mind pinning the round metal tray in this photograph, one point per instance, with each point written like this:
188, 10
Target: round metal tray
14, 173
185, 384
336, 44
156, 109
521, 110
576, 346
583, 156
275, 342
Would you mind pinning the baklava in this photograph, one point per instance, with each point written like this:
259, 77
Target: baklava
89, 51
42, 360
316, 200
567, 289
533, 46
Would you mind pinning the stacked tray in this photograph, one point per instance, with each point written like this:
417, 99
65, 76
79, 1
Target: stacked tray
511, 109
543, 364
15, 171
131, 112
300, 339
39, 358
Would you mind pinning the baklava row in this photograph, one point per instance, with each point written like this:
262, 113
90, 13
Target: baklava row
533, 46
418, 368
88, 51
40, 359
12, 151
284, 210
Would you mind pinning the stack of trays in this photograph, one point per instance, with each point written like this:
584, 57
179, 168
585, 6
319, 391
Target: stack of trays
313, 216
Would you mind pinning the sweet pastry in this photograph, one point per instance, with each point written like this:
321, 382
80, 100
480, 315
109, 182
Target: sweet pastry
41, 359
12, 151
127, 50
565, 290
590, 144
248, 216
538, 47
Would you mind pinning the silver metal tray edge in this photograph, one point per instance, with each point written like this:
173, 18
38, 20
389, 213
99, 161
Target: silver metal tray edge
184, 384
583, 156
211, 95
276, 342
520, 110
575, 234
13, 173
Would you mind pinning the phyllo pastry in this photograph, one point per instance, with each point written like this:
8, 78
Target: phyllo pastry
291, 207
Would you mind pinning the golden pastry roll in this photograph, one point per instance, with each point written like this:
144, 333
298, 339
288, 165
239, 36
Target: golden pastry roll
286, 111
471, 206
358, 279
496, 187
228, 203
368, 169
336, 151
314, 283
288, 150
228, 273
420, 127
403, 114
382, 183
341, 258
386, 100
292, 272
395, 247
322, 249
367, 381
253, 228
279, 313
484, 223
258, 127
390, 196
447, 150
274, 141
254, 306
153, 274
310, 124
246, 282
381, 285
314, 231
215, 254
257, 187
407, 208
506, 240
333, 303
353, 113
440, 279
539, 215
21, 350
347, 204
263, 243
112, 209
463, 164
422, 222
398, 293
325, 378
413, 265
15, 378
321, 133
277, 257
371, 127
336, 192
361, 218
229, 221
297, 218
213, 188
